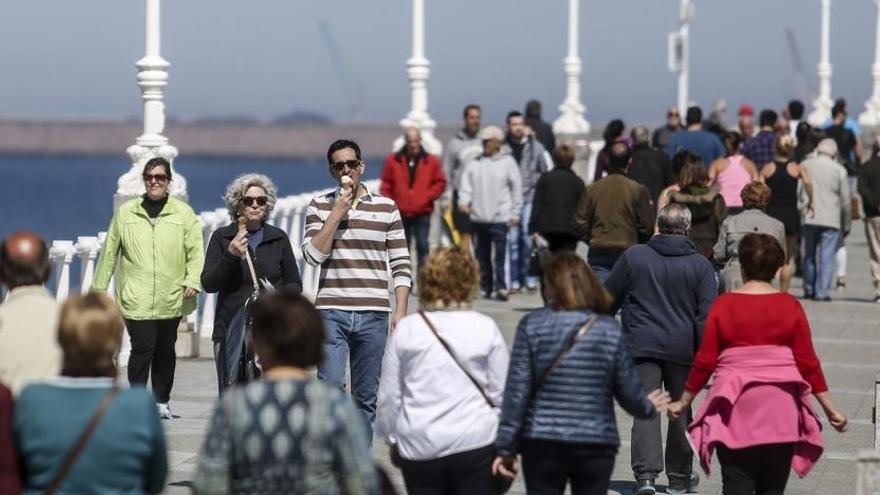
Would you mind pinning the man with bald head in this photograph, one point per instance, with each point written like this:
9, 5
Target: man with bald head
414, 179
29, 349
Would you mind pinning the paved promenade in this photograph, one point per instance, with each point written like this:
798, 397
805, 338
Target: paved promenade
846, 333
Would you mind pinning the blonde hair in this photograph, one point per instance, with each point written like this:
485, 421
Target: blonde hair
449, 278
90, 335
784, 146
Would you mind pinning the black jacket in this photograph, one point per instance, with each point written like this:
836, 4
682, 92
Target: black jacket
557, 194
666, 289
651, 168
229, 275
869, 187
543, 132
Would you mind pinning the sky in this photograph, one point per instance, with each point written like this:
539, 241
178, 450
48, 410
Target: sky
262, 58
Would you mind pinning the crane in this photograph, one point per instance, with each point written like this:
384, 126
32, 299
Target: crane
800, 87
352, 89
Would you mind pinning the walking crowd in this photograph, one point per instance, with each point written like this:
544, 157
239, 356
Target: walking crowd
685, 228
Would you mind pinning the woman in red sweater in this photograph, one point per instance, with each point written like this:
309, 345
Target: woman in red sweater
757, 342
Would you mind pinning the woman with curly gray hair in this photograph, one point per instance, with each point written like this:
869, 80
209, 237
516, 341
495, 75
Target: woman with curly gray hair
250, 199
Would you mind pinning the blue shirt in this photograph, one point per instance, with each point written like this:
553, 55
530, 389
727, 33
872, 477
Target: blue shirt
760, 149
701, 143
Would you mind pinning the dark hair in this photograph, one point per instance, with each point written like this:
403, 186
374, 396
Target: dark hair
158, 162
572, 285
20, 272
468, 108
795, 109
692, 174
287, 330
619, 156
694, 115
767, 118
511, 114
563, 156
533, 109
612, 131
732, 140
840, 102
837, 110
341, 144
802, 132
760, 256
681, 158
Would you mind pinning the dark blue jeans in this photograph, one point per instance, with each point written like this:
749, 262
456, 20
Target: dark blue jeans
487, 236
820, 245
416, 229
359, 336
520, 250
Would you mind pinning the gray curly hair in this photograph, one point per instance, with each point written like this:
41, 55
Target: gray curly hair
238, 187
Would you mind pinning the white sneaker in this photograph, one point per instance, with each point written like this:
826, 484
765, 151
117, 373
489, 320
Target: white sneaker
164, 411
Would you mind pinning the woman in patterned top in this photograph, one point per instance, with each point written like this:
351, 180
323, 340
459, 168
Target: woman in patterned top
287, 433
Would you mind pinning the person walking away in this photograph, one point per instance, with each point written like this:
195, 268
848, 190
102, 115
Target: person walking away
663, 134
414, 179
764, 368
570, 361
29, 350
760, 149
529, 154
826, 216
746, 121
795, 115
869, 190
348, 229
755, 199
665, 289
442, 382
783, 175
461, 149
650, 167
695, 139
157, 241
491, 193
705, 204
732, 172
287, 432
249, 198
613, 214
849, 156
543, 131
613, 133
124, 448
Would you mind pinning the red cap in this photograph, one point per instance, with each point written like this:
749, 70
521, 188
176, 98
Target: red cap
746, 110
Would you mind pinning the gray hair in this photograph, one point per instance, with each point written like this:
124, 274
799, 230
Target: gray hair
674, 219
827, 147
236, 190
641, 136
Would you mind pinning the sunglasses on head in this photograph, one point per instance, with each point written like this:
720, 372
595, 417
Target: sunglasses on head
259, 200
351, 164
160, 178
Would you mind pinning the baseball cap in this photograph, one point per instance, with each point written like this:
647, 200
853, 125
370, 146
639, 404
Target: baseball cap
746, 110
491, 132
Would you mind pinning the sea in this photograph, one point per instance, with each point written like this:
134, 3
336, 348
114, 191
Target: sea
62, 197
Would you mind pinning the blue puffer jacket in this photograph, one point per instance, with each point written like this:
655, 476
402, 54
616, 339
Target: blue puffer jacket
575, 404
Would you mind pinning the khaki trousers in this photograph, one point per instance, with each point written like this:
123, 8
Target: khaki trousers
872, 232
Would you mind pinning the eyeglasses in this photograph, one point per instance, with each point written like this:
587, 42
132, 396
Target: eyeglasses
250, 201
670, 115
351, 164
160, 178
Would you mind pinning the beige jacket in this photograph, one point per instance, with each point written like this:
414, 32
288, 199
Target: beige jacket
29, 349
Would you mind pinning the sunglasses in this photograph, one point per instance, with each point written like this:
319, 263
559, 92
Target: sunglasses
160, 178
251, 201
351, 164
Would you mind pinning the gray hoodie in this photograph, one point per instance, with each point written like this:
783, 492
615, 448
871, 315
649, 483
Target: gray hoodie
492, 187
531, 166
460, 150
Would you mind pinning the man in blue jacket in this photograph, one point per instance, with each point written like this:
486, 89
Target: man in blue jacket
665, 288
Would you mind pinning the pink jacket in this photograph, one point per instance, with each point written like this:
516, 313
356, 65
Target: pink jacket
758, 397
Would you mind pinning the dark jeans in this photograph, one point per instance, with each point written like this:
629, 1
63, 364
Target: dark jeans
227, 354
647, 444
152, 354
759, 470
489, 235
601, 264
464, 473
548, 466
416, 230
820, 245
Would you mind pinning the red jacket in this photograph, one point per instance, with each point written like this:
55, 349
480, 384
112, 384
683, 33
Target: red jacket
418, 198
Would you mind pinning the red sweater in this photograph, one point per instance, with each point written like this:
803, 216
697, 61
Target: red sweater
10, 477
738, 320
414, 196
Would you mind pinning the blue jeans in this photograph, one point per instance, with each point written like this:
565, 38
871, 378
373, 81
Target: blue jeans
416, 230
227, 354
360, 336
820, 245
488, 235
520, 249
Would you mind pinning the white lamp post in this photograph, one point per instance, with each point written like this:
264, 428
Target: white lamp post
571, 121
152, 78
871, 115
822, 104
684, 71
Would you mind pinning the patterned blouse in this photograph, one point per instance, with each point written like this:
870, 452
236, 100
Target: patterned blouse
286, 436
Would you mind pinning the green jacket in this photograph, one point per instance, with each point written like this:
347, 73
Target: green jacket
155, 262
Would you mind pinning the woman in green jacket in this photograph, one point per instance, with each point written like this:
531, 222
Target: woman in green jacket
157, 241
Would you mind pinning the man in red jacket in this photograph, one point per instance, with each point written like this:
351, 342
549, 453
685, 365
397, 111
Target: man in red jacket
414, 180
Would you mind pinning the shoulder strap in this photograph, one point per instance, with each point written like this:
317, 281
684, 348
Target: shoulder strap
451, 354
81, 442
561, 356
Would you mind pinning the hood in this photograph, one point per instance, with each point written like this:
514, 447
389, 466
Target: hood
672, 245
695, 194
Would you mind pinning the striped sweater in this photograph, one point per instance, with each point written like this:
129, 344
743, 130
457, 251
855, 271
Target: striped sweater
370, 240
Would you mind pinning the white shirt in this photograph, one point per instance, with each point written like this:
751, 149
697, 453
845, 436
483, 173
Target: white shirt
426, 404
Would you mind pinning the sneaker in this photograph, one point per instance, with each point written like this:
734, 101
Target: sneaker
533, 289
501, 295
823, 298
164, 411
678, 486
515, 290
841, 283
645, 487
877, 298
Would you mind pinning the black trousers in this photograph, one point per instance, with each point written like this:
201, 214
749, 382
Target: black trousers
152, 354
759, 470
647, 444
465, 473
549, 466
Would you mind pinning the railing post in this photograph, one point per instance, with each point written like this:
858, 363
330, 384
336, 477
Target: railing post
87, 248
61, 254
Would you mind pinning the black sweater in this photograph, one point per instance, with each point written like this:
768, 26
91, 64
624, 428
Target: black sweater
869, 187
